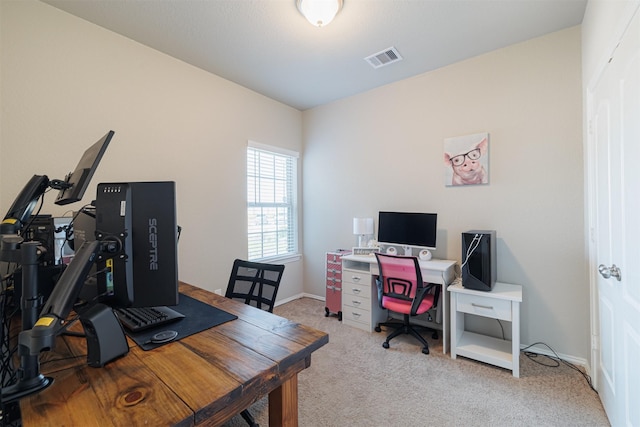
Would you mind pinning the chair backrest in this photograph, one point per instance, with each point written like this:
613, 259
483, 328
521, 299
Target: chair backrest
255, 283
400, 276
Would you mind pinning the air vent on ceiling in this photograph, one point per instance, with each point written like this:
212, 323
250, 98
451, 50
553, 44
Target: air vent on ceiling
386, 57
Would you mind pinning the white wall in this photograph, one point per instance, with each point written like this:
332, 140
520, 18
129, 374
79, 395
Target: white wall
66, 82
383, 150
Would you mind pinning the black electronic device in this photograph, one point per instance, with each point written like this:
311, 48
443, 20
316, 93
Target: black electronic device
479, 259
139, 218
410, 229
41, 229
136, 319
105, 338
75, 183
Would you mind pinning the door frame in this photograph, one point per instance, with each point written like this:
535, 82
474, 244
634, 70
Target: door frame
590, 184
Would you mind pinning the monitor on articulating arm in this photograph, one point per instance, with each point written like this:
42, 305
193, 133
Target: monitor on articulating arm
71, 189
75, 184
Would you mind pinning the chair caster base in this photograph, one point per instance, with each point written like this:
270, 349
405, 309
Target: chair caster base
377, 329
425, 350
385, 344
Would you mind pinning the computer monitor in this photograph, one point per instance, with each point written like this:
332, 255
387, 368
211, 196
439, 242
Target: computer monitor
75, 183
408, 229
71, 189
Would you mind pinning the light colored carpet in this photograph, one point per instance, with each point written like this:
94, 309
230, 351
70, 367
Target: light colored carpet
353, 381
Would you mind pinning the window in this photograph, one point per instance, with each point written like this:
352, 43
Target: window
271, 202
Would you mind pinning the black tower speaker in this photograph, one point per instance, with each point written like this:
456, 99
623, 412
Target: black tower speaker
479, 259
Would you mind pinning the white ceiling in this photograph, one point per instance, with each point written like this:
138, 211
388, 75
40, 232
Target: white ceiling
267, 46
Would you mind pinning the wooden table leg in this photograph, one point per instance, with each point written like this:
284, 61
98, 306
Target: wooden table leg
283, 404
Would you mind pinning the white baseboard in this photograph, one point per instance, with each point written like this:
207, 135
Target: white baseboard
298, 296
578, 361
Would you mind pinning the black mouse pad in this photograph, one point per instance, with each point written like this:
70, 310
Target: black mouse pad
198, 316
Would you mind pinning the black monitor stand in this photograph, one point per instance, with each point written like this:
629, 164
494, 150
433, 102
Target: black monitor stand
27, 253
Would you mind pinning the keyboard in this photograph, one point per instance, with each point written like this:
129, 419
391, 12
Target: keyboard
137, 319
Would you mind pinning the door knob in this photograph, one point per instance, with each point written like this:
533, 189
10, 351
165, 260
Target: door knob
608, 272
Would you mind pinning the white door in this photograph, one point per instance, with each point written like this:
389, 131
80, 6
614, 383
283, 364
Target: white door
615, 153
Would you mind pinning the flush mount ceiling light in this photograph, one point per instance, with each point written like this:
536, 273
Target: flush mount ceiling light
319, 12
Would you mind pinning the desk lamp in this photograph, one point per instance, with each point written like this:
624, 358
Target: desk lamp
362, 227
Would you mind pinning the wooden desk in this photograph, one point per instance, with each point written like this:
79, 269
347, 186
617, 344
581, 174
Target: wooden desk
203, 379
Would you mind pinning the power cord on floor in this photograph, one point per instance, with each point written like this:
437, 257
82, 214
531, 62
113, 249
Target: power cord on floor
555, 361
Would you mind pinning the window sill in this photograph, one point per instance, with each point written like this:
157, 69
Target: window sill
283, 259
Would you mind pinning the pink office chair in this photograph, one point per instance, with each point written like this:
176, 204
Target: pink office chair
401, 290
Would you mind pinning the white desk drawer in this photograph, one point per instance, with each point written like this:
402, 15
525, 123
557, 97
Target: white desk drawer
358, 277
357, 302
363, 291
484, 306
353, 314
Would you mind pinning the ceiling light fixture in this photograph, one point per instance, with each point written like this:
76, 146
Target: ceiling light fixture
319, 12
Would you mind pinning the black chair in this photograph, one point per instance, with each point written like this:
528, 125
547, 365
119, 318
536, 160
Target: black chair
255, 284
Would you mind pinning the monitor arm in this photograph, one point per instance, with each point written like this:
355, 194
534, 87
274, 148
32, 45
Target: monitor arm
58, 184
54, 314
21, 209
50, 324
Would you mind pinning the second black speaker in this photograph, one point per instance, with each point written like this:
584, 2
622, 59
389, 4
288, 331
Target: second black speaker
479, 259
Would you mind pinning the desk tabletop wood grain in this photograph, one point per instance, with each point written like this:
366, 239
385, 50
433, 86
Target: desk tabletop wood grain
205, 378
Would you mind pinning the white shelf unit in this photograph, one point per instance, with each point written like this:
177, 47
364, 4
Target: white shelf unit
503, 303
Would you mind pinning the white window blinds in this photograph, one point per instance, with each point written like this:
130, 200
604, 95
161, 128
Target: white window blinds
271, 202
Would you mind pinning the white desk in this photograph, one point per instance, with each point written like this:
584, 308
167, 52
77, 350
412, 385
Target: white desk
360, 306
503, 302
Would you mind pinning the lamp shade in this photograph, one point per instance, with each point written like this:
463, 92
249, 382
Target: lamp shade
319, 12
362, 226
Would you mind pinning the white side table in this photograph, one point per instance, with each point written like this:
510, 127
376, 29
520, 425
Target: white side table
503, 302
